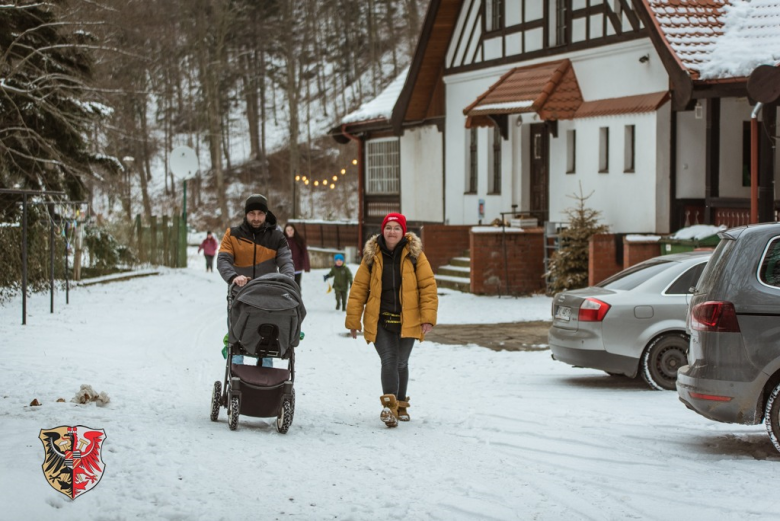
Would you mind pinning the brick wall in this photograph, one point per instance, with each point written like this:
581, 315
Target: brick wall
442, 242
524, 267
635, 252
601, 258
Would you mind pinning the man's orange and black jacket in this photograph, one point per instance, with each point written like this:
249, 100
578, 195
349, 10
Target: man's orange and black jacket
254, 252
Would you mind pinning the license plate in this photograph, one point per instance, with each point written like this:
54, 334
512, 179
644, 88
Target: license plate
563, 313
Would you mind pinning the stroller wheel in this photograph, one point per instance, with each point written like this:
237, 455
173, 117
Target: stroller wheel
285, 418
216, 400
233, 413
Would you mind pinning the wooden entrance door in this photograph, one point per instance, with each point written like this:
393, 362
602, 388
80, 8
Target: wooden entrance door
540, 172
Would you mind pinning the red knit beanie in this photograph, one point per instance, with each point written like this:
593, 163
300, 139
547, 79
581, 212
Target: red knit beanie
397, 217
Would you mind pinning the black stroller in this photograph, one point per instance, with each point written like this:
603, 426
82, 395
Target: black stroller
264, 320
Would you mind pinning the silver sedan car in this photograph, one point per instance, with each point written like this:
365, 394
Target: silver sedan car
632, 322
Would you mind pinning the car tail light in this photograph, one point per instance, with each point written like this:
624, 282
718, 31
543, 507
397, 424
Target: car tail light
711, 397
714, 316
593, 310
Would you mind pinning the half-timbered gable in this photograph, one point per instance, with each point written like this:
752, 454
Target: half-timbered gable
493, 32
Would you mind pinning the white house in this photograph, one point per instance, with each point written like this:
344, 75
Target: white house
513, 105
399, 173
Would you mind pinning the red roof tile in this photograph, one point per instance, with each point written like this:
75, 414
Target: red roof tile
690, 28
550, 89
626, 105
718, 39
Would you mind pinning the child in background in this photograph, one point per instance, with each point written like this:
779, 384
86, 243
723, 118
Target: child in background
342, 280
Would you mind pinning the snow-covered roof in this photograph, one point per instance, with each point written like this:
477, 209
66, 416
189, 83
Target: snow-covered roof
380, 107
751, 37
718, 39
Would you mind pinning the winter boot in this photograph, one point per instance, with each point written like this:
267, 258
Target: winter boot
389, 413
403, 415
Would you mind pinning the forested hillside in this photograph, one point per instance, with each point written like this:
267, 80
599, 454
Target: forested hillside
95, 94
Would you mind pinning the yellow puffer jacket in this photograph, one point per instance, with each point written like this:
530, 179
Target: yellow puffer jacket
419, 300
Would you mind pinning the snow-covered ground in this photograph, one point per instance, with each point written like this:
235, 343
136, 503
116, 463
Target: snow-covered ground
494, 435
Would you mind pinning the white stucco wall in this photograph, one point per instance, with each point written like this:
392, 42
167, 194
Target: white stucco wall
690, 155
615, 71
628, 202
612, 71
691, 149
422, 174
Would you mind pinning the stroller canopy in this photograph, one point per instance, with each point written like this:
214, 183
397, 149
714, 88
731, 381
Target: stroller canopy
270, 305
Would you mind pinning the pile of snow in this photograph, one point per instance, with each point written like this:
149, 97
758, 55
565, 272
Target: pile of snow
642, 238
697, 232
87, 394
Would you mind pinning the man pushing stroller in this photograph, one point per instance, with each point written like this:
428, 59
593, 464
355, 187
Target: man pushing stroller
254, 248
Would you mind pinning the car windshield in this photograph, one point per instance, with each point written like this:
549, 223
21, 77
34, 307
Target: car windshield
715, 266
635, 275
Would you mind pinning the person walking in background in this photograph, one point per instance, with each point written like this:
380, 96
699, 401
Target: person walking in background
209, 247
342, 280
300, 253
402, 308
254, 248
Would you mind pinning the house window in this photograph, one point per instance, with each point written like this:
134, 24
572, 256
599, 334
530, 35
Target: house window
494, 15
628, 149
571, 151
472, 157
495, 162
383, 171
560, 22
618, 9
604, 150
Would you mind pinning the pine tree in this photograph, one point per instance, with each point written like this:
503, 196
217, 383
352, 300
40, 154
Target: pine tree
569, 266
45, 112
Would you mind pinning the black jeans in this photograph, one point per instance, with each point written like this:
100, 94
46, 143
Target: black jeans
209, 262
394, 352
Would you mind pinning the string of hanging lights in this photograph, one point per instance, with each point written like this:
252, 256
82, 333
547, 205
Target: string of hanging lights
325, 183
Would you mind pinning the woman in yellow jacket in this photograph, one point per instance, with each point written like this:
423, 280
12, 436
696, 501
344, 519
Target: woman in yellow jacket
395, 293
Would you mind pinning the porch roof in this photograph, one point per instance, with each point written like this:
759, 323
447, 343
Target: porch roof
625, 105
549, 89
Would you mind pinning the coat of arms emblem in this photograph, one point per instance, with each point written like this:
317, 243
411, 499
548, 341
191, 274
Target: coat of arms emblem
72, 461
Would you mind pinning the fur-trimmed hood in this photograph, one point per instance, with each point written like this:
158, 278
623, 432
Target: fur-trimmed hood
372, 247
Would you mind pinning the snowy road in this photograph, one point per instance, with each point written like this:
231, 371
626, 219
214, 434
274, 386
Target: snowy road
494, 435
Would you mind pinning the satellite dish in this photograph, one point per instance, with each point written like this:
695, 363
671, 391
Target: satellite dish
183, 162
764, 83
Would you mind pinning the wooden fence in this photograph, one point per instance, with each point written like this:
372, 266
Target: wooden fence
325, 234
160, 241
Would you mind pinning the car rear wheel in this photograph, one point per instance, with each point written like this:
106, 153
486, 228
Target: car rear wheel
772, 416
662, 359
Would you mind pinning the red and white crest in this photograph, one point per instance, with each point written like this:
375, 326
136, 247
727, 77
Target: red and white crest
73, 462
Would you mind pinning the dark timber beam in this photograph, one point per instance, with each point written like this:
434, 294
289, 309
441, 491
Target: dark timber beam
712, 158
766, 163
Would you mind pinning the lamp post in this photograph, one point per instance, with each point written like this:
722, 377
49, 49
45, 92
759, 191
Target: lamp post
183, 163
128, 162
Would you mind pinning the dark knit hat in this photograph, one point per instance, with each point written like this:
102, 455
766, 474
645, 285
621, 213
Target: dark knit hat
397, 217
256, 202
